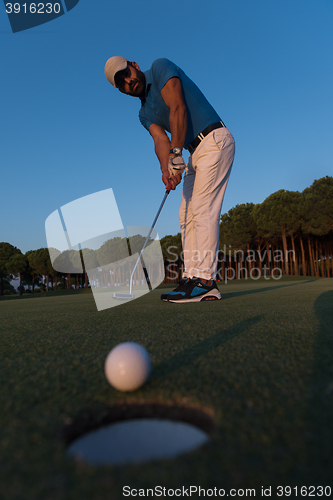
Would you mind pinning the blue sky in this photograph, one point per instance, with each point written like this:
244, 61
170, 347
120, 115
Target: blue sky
265, 65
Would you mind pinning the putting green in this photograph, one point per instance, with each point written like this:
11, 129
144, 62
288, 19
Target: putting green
260, 362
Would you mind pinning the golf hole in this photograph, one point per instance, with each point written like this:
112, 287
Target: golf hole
141, 433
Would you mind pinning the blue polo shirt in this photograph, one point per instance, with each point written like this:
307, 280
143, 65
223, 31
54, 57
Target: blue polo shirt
200, 113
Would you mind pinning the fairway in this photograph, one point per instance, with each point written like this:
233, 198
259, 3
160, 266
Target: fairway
259, 363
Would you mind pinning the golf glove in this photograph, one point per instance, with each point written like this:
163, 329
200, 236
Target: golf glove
176, 165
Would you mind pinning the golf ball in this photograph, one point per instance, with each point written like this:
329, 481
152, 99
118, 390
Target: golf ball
127, 366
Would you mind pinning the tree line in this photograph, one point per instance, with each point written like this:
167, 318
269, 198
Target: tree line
69, 268
289, 233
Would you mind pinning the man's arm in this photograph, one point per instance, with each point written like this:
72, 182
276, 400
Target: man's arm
162, 150
172, 95
162, 145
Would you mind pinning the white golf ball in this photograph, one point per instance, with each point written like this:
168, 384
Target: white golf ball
127, 366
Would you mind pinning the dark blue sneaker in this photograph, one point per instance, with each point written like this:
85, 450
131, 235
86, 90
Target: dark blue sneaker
195, 291
182, 282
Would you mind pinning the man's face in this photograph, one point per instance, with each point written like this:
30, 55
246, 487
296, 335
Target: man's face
131, 80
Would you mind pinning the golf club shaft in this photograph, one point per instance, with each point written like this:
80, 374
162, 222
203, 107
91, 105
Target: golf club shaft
151, 230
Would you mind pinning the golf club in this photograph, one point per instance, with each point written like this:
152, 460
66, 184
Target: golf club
130, 295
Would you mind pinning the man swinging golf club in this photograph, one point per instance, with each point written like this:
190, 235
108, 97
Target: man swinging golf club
171, 102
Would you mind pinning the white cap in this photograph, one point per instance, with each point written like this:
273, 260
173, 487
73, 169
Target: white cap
113, 65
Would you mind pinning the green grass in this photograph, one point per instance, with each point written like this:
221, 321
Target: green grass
260, 361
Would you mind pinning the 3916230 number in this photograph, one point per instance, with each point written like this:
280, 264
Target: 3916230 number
33, 8
304, 491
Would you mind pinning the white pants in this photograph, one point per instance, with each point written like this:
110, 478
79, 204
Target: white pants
206, 177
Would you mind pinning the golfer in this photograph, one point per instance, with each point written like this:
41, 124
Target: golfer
171, 102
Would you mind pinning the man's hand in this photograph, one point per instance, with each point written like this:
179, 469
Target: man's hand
173, 175
176, 165
171, 182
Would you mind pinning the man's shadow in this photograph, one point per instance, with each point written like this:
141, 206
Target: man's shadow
191, 354
320, 408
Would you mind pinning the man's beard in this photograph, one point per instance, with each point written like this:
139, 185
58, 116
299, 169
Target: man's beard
138, 86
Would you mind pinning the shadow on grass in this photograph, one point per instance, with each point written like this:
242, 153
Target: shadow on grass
226, 295
189, 355
320, 408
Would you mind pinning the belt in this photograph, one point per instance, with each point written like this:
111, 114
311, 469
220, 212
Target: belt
195, 143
